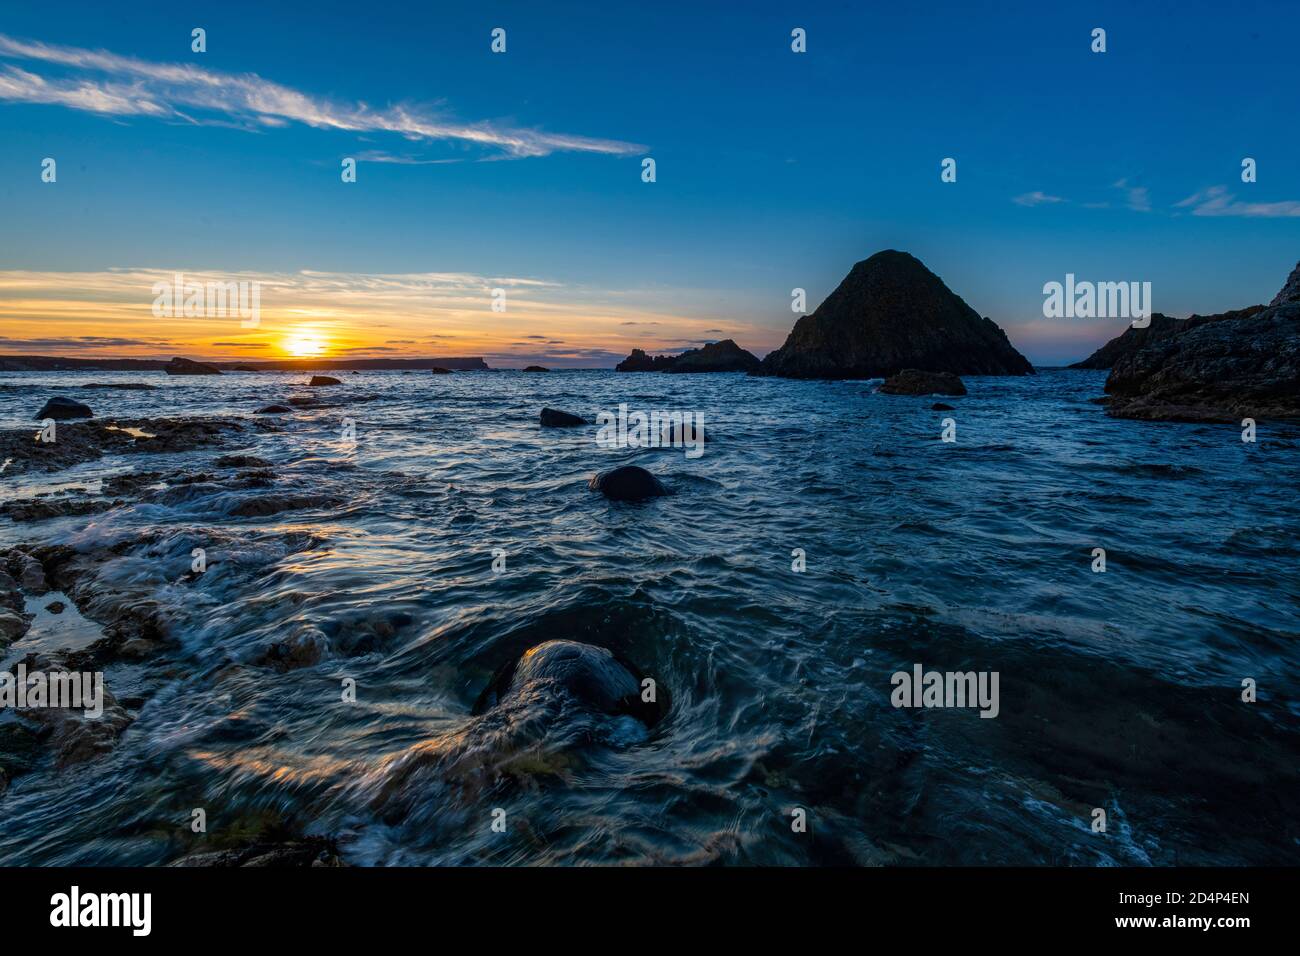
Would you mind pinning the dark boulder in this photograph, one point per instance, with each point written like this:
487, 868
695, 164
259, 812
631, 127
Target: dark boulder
628, 483
941, 407
324, 380
1217, 371
554, 418
892, 313
61, 408
439, 370
911, 381
273, 410
535, 368
184, 366
124, 386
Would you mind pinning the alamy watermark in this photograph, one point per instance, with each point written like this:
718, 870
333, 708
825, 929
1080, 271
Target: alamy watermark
1098, 300
922, 688
70, 690
657, 429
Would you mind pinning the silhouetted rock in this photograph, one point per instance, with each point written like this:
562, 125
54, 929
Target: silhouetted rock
911, 381
439, 370
1217, 371
60, 408
1161, 327
892, 313
724, 356
629, 483
273, 410
125, 386
535, 368
554, 418
941, 407
324, 380
639, 361
184, 366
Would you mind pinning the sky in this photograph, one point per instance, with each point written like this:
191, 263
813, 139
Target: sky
522, 171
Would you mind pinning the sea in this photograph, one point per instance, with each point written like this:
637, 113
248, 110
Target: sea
1135, 587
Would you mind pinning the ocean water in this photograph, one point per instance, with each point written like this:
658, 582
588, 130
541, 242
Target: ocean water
1118, 690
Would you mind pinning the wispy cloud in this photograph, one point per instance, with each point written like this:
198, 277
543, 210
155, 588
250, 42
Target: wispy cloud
1217, 201
98, 81
1036, 198
1137, 198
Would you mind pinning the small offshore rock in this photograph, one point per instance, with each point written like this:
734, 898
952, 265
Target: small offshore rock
912, 381
628, 483
554, 418
61, 408
324, 380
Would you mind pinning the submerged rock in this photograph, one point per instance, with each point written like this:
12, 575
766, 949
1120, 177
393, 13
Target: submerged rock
184, 366
628, 483
1217, 371
913, 381
60, 408
892, 313
324, 380
590, 675
554, 418
273, 410
439, 370
126, 386
535, 368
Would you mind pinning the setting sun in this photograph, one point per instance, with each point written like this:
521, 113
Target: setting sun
305, 346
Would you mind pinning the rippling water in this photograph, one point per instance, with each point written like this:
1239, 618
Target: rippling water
1118, 690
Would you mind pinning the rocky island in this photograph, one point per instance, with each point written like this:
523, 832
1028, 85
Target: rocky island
892, 313
724, 356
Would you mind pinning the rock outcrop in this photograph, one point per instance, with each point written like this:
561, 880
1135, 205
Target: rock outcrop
318, 380
184, 366
1162, 326
1225, 370
911, 381
724, 356
535, 368
892, 313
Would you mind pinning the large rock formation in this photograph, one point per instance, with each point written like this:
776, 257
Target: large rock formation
892, 313
724, 356
1247, 366
1162, 326
912, 381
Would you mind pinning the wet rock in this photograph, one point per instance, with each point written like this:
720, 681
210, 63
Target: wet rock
554, 418
71, 733
61, 409
125, 386
184, 366
892, 313
61, 506
628, 483
273, 410
27, 571
317, 380
303, 648
130, 483
241, 461
439, 370
535, 368
56, 607
272, 504
307, 851
941, 407
12, 626
913, 381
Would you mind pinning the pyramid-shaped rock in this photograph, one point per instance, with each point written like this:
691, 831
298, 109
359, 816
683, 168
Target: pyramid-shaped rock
892, 313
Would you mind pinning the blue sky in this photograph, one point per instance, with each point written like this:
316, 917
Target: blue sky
522, 170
